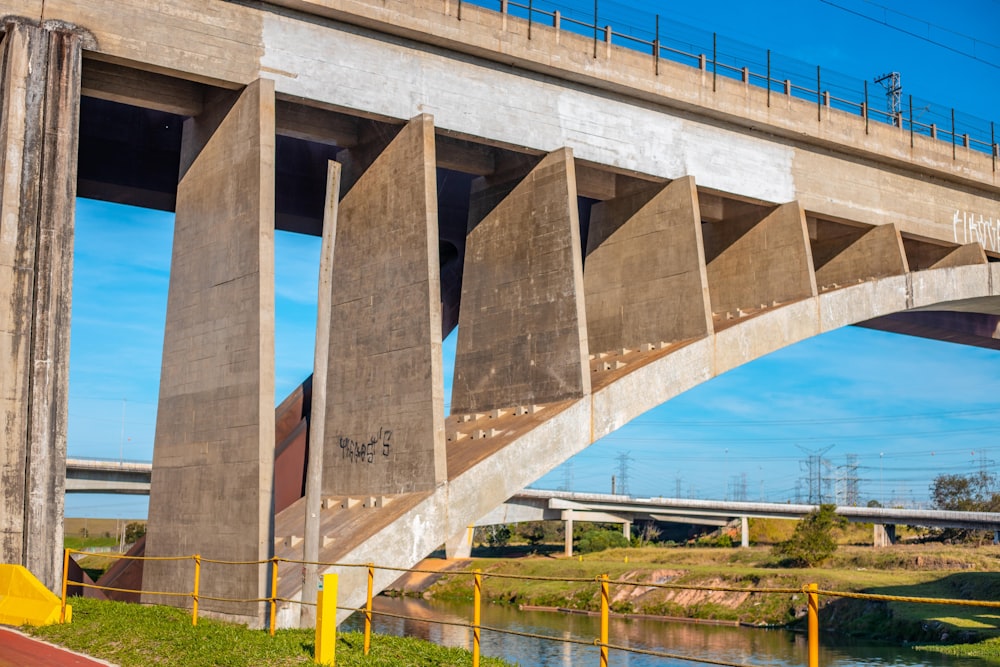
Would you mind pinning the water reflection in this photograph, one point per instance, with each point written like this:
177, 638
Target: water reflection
750, 646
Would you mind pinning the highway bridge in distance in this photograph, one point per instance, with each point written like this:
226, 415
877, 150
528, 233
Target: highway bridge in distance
133, 477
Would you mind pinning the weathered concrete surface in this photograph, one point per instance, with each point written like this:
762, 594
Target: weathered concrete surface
755, 260
384, 430
522, 328
644, 274
39, 117
213, 460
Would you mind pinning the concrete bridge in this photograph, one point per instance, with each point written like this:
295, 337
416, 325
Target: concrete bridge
133, 477
607, 231
99, 476
567, 506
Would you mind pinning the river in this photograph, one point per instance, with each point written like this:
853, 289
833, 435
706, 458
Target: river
774, 648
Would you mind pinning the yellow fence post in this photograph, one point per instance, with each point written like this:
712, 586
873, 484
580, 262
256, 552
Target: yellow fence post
604, 620
477, 601
326, 621
274, 593
813, 624
65, 577
368, 608
194, 594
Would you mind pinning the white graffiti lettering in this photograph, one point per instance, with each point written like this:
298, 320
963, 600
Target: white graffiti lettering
969, 227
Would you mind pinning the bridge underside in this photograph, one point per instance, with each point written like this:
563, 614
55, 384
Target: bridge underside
590, 281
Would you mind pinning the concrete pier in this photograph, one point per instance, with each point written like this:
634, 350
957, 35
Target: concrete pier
212, 484
40, 70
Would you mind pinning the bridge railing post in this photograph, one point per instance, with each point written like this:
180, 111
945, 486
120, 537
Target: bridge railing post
605, 608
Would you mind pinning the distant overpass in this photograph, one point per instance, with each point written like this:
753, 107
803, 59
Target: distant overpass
133, 477
99, 476
539, 505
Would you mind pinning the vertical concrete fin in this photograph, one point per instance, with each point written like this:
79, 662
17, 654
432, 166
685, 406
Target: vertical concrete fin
385, 400
317, 428
40, 69
213, 459
522, 325
876, 253
645, 276
767, 261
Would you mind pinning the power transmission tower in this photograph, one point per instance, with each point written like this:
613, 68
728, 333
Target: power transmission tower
815, 479
623, 466
893, 95
568, 476
847, 492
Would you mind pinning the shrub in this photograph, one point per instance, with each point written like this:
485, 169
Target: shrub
593, 541
812, 543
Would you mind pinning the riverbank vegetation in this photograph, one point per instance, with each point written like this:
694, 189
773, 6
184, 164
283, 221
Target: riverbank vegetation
132, 635
917, 570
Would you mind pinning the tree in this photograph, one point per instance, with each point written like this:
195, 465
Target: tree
812, 542
133, 531
965, 493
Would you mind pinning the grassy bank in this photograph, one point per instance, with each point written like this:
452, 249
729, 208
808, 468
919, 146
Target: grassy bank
136, 636
915, 571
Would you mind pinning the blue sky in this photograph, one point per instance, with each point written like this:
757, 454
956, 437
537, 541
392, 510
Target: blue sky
905, 408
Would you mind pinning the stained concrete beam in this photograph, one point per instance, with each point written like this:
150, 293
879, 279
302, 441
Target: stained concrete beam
756, 260
149, 90
876, 252
213, 458
522, 325
644, 275
385, 397
39, 125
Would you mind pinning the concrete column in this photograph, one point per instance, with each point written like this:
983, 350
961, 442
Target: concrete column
460, 545
384, 429
212, 482
757, 259
885, 535
627, 530
844, 254
645, 276
521, 333
39, 124
568, 538
744, 532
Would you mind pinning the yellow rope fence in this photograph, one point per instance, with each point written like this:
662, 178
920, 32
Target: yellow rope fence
811, 591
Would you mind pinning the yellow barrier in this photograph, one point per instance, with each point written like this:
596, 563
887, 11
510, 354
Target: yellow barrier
326, 621
24, 600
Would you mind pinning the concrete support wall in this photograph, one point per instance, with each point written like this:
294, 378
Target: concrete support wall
644, 275
521, 331
876, 252
756, 260
39, 120
384, 429
213, 459
884, 535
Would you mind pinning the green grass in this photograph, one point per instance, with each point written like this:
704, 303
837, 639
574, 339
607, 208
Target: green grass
132, 635
988, 649
71, 542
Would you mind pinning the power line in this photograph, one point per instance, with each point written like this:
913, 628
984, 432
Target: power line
886, 24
